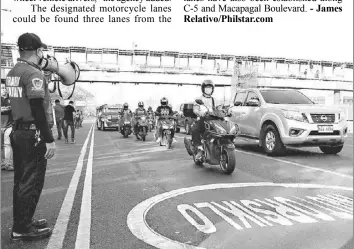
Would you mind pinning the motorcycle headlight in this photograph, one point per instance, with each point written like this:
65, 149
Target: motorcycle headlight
126, 122
220, 129
143, 118
295, 115
235, 130
341, 116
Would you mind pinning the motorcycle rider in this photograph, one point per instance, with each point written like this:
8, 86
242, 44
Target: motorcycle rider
124, 111
140, 111
150, 111
163, 109
199, 126
151, 114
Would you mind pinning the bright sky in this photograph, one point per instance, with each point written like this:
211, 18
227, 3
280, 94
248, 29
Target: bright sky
316, 36
321, 36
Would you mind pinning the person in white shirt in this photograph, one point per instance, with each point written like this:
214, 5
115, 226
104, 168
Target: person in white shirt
199, 127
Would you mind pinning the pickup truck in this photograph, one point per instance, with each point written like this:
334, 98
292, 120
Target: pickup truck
277, 118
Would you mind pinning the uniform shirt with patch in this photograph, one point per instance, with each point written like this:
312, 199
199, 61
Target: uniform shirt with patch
26, 81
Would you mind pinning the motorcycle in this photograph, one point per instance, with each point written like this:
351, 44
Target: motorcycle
126, 127
217, 141
150, 123
142, 128
168, 127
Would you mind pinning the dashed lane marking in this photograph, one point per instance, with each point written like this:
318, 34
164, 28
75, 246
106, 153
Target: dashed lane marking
136, 219
59, 231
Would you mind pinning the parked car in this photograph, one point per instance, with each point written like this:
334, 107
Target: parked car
284, 117
183, 121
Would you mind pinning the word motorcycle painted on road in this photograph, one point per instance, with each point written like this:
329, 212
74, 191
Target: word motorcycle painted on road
269, 212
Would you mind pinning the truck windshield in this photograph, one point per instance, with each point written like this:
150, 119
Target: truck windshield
285, 97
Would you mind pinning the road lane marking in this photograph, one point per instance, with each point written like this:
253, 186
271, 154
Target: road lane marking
84, 228
136, 219
59, 231
297, 164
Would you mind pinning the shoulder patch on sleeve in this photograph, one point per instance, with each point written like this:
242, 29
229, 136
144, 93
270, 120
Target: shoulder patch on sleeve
37, 84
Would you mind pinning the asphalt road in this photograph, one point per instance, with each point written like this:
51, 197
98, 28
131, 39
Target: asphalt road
112, 192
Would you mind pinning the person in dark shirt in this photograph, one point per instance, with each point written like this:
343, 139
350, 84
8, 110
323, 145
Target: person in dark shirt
163, 111
31, 139
69, 121
59, 115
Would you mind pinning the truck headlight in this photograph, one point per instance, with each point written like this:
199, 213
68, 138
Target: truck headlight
294, 115
341, 116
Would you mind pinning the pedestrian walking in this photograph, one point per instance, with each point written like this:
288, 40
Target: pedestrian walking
81, 118
77, 119
31, 139
69, 112
59, 117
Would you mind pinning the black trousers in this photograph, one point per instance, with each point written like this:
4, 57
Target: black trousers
66, 125
29, 173
197, 130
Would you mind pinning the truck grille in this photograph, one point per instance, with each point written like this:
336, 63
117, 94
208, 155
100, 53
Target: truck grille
316, 133
323, 118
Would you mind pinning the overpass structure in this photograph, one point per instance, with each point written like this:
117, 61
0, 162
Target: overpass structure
116, 66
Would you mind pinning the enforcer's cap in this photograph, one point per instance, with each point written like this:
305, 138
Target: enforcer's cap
30, 41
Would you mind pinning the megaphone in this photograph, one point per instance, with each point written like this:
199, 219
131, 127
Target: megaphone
69, 73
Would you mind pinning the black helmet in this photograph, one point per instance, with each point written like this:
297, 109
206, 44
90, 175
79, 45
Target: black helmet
208, 83
141, 104
164, 101
125, 106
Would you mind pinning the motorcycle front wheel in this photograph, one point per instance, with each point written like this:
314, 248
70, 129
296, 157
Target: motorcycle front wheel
228, 160
168, 141
199, 163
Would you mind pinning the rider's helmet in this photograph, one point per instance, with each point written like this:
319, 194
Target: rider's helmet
125, 106
205, 84
164, 101
150, 108
141, 104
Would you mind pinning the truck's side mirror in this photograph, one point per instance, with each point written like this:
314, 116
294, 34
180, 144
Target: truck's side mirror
237, 103
253, 102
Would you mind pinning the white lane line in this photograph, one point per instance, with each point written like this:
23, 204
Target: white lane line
59, 231
84, 229
297, 164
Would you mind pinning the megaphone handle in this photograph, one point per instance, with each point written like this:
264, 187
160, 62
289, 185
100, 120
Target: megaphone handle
72, 91
70, 94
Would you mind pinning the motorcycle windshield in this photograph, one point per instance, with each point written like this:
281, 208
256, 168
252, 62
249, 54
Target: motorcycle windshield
226, 125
